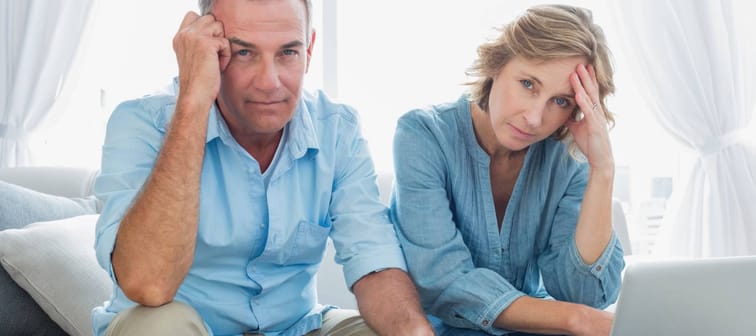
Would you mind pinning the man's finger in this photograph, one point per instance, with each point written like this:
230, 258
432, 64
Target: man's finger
216, 29
189, 18
224, 53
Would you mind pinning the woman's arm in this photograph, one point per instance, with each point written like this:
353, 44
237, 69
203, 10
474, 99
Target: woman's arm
594, 227
546, 317
583, 260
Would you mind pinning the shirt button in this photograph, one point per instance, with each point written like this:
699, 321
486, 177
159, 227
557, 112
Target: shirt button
599, 268
485, 323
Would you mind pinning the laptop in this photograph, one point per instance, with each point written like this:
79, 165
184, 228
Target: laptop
713, 296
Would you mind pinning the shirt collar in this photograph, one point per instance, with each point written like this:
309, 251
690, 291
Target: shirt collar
216, 126
302, 136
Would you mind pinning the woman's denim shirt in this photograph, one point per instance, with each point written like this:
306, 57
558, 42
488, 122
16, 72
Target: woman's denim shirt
467, 270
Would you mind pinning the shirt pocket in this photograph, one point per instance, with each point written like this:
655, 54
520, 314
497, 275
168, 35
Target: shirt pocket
309, 244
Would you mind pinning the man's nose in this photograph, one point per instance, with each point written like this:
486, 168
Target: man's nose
266, 78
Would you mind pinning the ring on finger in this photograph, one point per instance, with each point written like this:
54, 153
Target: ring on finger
594, 108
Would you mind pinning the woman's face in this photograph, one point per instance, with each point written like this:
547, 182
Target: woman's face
530, 100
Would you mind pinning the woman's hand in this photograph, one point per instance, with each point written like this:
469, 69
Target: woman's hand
591, 132
591, 322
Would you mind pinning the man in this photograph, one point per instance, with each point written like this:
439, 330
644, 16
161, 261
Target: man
221, 193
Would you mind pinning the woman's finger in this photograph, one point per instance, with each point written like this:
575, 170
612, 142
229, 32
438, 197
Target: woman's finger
581, 96
589, 82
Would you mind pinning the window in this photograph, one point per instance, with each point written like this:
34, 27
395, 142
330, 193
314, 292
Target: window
394, 56
382, 57
127, 52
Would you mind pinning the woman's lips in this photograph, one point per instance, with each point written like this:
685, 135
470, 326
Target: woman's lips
520, 133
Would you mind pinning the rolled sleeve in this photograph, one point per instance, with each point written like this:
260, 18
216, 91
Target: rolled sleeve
475, 299
131, 146
107, 228
565, 275
363, 235
380, 258
599, 269
486, 322
596, 285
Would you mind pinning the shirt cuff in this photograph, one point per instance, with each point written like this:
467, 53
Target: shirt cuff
599, 268
374, 260
486, 321
104, 244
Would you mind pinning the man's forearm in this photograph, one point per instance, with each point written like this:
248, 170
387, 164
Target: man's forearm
156, 238
389, 304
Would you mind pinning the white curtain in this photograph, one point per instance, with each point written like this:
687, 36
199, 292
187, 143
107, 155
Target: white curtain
696, 67
38, 41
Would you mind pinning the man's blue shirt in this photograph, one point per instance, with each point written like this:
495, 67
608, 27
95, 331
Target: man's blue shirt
261, 237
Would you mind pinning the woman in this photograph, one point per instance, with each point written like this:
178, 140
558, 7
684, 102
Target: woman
503, 198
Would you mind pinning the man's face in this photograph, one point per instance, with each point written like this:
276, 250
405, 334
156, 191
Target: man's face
261, 86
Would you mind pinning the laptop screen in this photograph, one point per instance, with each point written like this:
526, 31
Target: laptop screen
713, 296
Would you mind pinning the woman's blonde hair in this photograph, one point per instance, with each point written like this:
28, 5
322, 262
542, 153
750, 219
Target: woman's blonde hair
544, 33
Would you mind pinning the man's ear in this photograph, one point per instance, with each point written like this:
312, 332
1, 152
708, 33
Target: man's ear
310, 46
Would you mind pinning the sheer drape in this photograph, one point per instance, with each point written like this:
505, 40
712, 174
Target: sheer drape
38, 40
695, 64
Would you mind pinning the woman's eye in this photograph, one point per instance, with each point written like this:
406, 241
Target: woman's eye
561, 102
527, 83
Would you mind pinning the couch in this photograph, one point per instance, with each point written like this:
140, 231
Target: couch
50, 280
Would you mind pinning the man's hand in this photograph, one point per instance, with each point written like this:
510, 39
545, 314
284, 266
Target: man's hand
389, 304
202, 52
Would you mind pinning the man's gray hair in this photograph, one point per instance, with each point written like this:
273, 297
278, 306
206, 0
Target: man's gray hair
206, 6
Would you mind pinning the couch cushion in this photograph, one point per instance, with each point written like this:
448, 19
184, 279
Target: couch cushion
55, 263
20, 206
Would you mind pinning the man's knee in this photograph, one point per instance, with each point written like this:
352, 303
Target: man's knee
344, 322
174, 318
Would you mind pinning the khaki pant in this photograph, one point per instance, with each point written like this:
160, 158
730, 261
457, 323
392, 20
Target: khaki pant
177, 318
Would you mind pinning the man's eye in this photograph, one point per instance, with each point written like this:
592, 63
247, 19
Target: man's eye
527, 83
243, 52
289, 52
